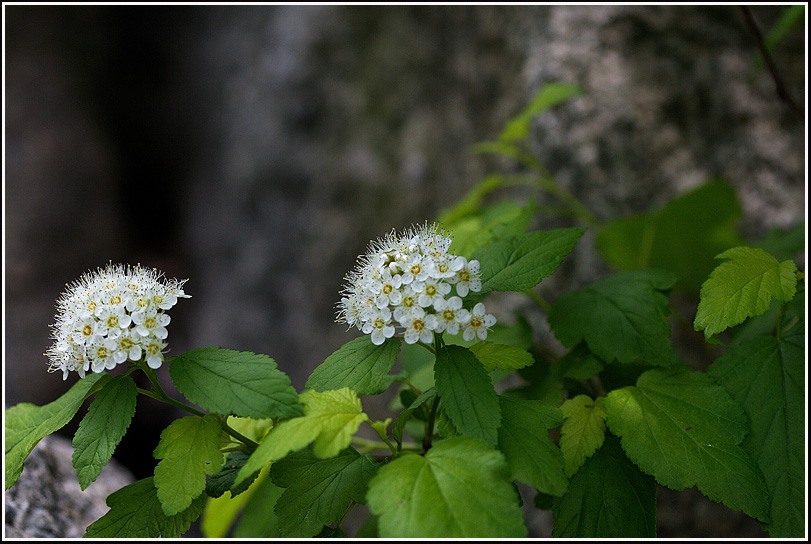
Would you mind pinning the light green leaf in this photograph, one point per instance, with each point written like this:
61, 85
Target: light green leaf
467, 394
103, 427
135, 512
189, 448
318, 491
500, 357
498, 220
682, 237
583, 430
26, 424
549, 95
521, 261
684, 430
523, 439
743, 287
258, 519
622, 317
235, 382
608, 498
460, 489
767, 377
330, 419
358, 364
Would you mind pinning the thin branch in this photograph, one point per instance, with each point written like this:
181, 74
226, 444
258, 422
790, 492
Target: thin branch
782, 92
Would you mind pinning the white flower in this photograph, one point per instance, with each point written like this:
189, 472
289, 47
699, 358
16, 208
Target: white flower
407, 277
450, 315
111, 316
478, 323
467, 278
416, 328
379, 326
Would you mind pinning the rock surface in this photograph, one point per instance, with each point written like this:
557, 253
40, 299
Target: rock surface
47, 501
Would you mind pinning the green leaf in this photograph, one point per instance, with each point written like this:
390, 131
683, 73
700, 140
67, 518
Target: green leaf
743, 287
549, 95
318, 491
682, 237
500, 357
583, 430
103, 427
26, 424
498, 220
467, 394
767, 377
189, 448
521, 261
225, 479
523, 439
608, 498
460, 488
235, 382
579, 363
622, 317
258, 519
470, 203
678, 426
330, 419
358, 364
135, 512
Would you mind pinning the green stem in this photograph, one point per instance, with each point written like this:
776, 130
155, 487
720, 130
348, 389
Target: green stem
429, 426
162, 397
545, 306
235, 434
346, 513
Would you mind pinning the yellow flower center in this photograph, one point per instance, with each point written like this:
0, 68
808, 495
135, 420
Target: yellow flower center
112, 321
87, 330
448, 315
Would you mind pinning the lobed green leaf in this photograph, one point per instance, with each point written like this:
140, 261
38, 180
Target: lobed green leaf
103, 427
523, 439
135, 512
359, 365
26, 424
467, 393
500, 357
767, 377
235, 382
608, 497
318, 491
329, 421
225, 479
583, 430
743, 287
680, 427
521, 261
188, 450
460, 489
622, 317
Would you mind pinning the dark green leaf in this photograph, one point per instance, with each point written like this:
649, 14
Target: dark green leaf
103, 427
767, 377
680, 427
608, 498
460, 489
742, 287
358, 364
622, 317
26, 424
318, 491
135, 512
467, 393
683, 237
521, 261
523, 439
258, 519
224, 480
235, 382
189, 448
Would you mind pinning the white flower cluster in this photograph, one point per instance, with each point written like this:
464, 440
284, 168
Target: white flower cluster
110, 316
411, 281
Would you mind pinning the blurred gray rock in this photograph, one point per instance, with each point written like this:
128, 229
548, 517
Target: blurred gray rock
257, 149
47, 501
